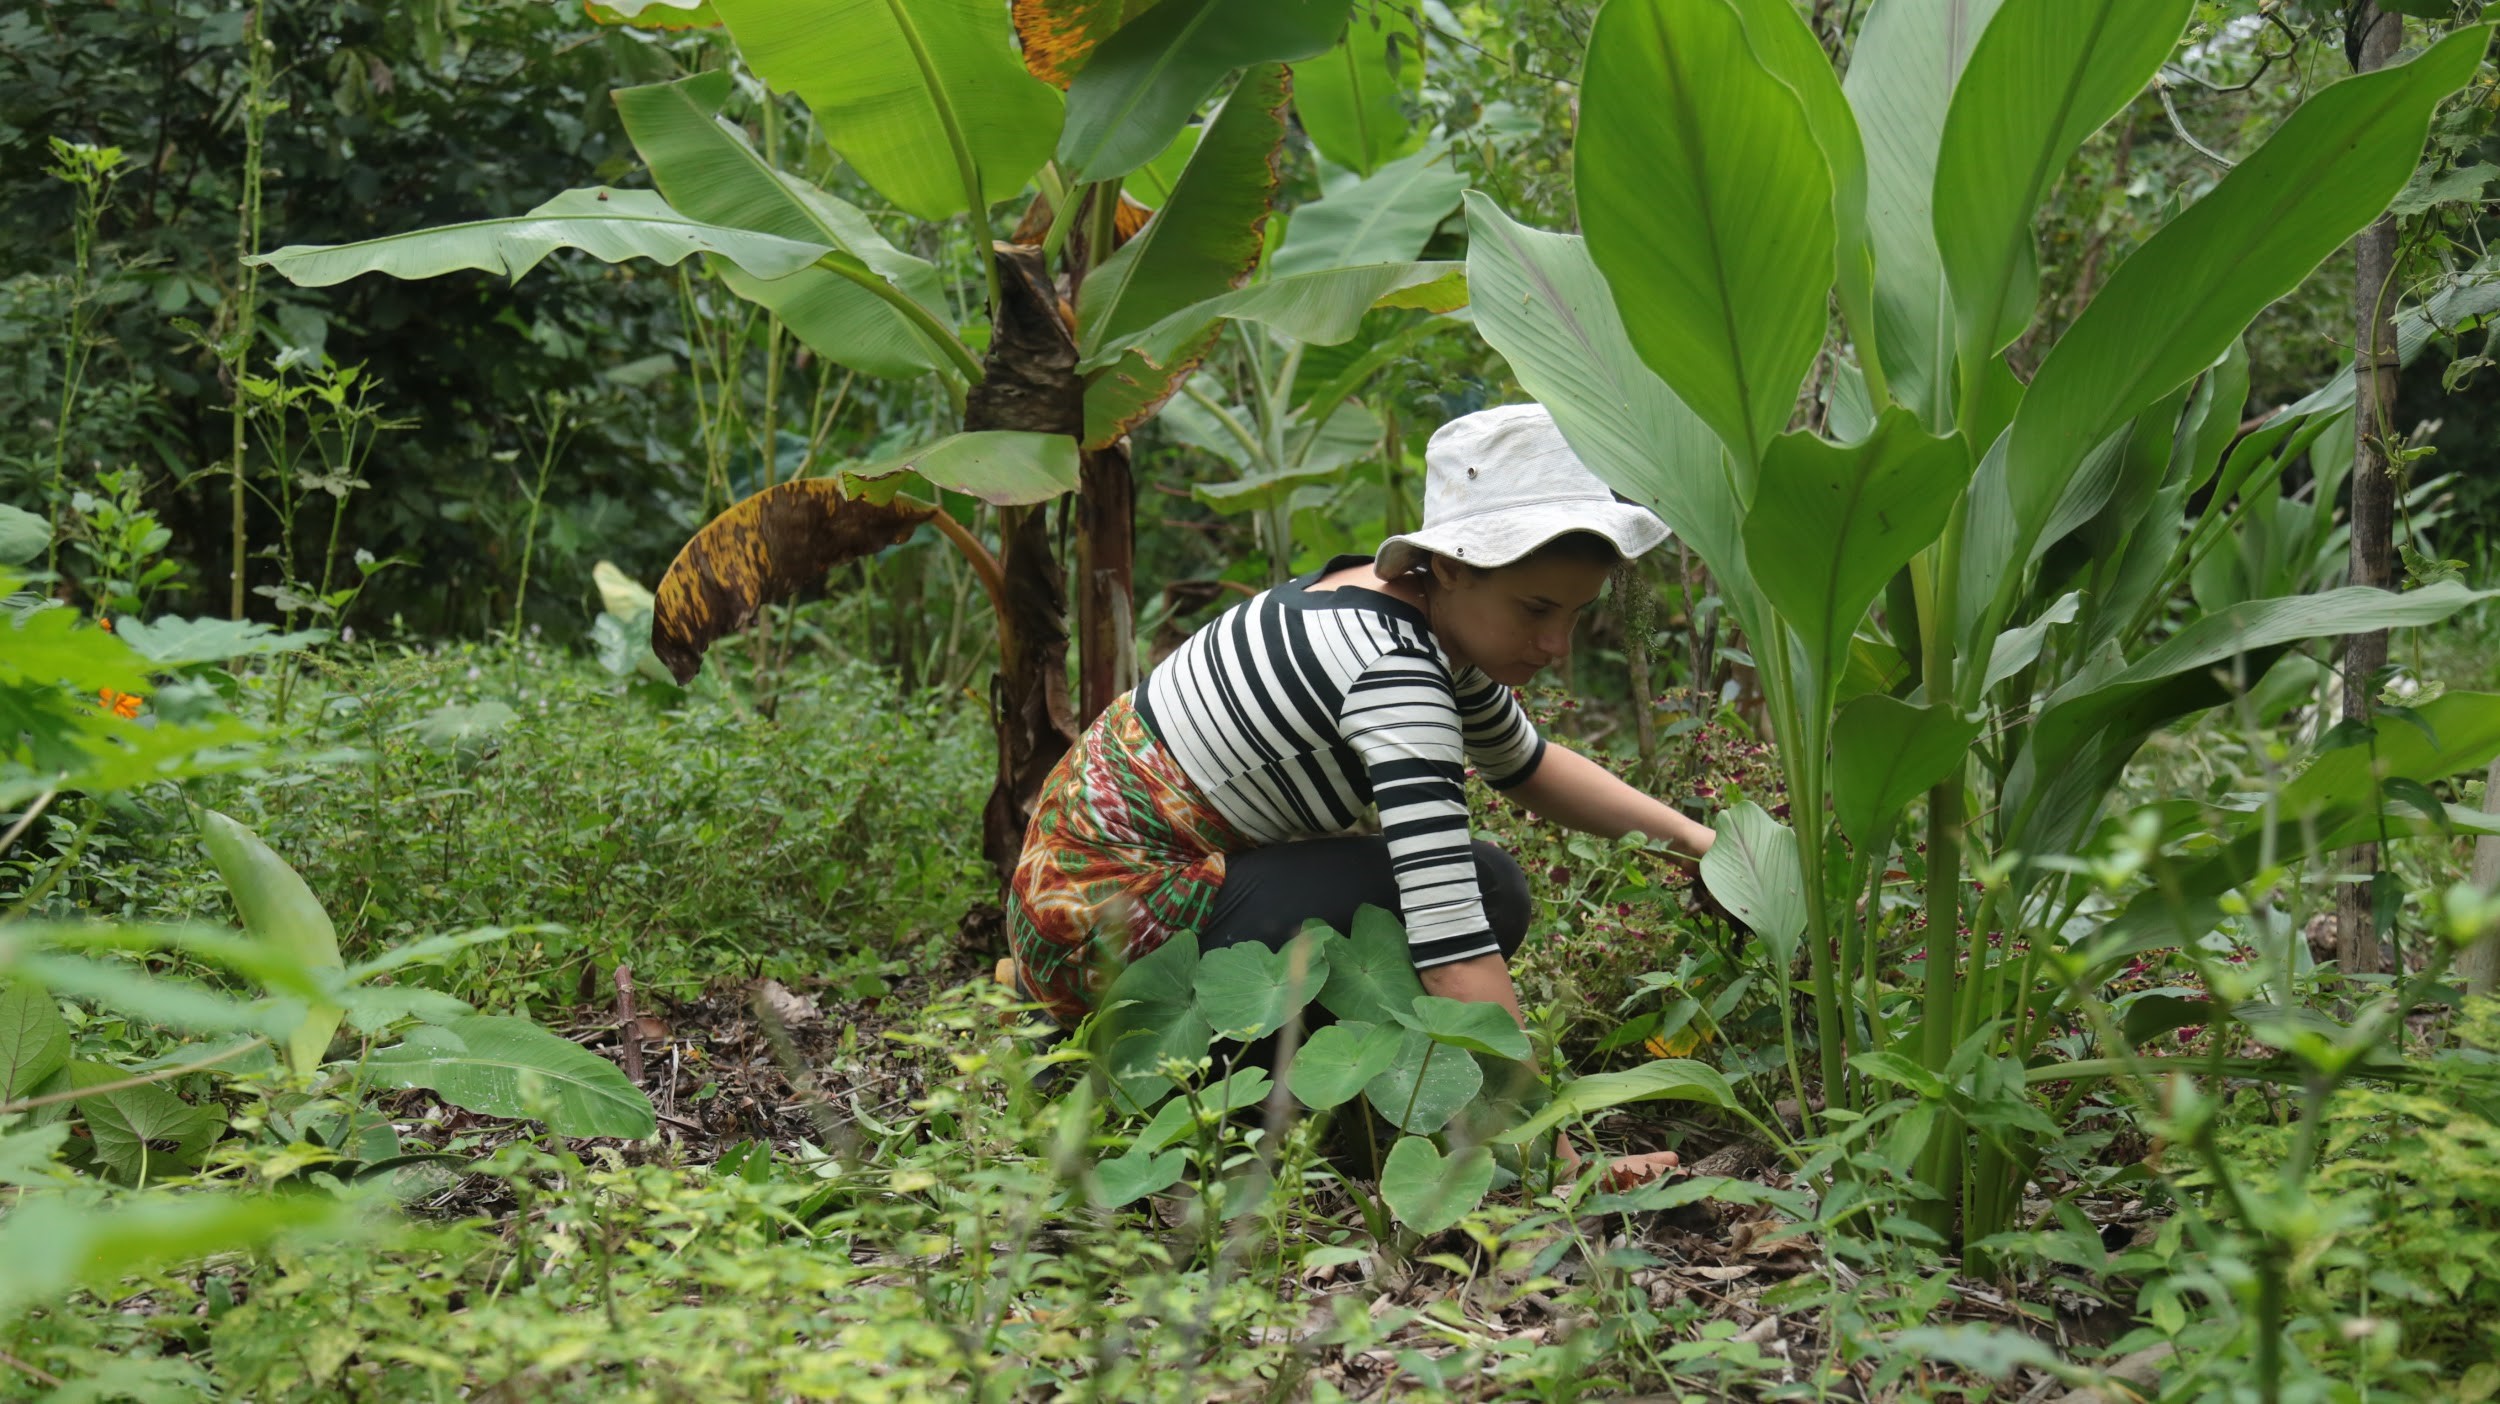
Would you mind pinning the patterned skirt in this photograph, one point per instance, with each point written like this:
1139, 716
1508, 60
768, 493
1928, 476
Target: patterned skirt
1123, 852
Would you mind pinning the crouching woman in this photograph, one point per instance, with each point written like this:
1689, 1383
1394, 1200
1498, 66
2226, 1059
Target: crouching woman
1225, 794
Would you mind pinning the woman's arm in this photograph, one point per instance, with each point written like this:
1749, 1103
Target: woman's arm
1578, 793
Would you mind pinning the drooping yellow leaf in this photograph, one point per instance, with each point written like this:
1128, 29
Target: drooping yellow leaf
766, 548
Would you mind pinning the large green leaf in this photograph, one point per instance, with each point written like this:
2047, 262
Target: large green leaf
143, 1133
1752, 869
1141, 85
1909, 55
1338, 1060
1789, 49
1468, 1025
1886, 752
1426, 1085
278, 909
1149, 1013
1249, 990
23, 535
1708, 203
901, 87
170, 641
2046, 75
2174, 307
2472, 295
1371, 977
708, 171
1381, 219
34, 1038
1204, 241
1352, 99
1323, 308
2088, 730
1831, 523
610, 225
1429, 1193
1667, 1079
506, 1066
1541, 302
1003, 467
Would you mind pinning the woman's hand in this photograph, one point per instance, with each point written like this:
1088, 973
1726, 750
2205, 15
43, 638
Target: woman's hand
1578, 793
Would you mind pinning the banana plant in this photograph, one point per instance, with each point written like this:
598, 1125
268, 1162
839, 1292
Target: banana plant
1091, 310
2025, 542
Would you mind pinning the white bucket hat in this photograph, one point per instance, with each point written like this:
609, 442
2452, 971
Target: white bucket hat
1501, 482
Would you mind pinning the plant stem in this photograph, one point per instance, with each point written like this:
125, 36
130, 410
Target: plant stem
247, 294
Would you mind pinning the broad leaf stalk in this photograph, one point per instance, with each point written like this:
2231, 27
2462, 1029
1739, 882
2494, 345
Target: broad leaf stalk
1728, 187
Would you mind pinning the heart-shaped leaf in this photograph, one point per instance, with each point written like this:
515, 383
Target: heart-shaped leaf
1128, 1178
34, 1039
1371, 976
1471, 1025
1337, 1061
1249, 991
1149, 1013
1426, 1086
1428, 1191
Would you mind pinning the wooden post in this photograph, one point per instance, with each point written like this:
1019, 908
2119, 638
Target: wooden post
2479, 967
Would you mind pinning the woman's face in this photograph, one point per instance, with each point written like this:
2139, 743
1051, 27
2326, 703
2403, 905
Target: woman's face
1514, 621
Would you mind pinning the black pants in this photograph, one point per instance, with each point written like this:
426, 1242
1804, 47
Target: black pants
1269, 893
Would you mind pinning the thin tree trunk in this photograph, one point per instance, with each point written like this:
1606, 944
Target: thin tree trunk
1030, 383
2372, 42
1637, 605
2479, 967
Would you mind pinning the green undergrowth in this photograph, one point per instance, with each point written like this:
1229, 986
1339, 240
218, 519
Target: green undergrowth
684, 835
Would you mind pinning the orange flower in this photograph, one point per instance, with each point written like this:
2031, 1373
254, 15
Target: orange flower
120, 704
104, 622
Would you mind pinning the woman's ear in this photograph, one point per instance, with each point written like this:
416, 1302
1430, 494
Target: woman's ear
1446, 573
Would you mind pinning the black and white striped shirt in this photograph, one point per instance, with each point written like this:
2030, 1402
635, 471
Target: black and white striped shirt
1296, 712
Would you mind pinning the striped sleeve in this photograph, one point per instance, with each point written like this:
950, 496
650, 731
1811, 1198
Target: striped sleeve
1401, 717
1502, 744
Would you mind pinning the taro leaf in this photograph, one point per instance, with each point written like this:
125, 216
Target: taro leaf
170, 642
1885, 752
1150, 1012
1752, 869
2046, 75
1429, 1193
1467, 1024
1426, 1086
506, 1066
1352, 99
1381, 219
609, 225
1669, 1079
1127, 1178
895, 86
1141, 84
1335, 1062
845, 306
143, 1132
34, 1039
281, 912
1708, 203
1371, 974
23, 535
1248, 991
